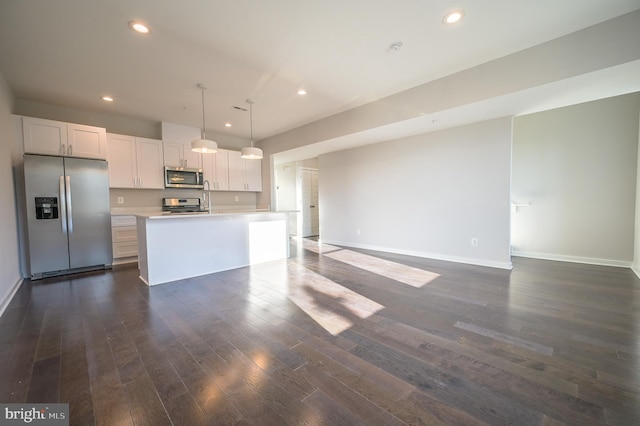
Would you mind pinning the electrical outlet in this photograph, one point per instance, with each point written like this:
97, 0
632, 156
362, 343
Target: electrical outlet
237, 198
474, 242
358, 231
120, 200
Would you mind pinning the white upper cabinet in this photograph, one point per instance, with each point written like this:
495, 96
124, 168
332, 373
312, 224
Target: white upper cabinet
216, 169
86, 141
180, 155
150, 163
177, 150
123, 171
66, 139
44, 136
135, 162
244, 175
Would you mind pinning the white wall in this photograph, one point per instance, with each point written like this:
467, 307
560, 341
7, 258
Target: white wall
10, 277
577, 167
426, 195
636, 253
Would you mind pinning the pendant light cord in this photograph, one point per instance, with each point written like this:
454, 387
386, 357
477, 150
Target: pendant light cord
203, 125
251, 119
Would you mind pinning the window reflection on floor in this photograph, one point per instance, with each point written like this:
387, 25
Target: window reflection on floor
337, 308
396, 271
331, 305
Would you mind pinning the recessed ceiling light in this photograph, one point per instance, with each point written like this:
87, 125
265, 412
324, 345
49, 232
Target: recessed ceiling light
227, 124
453, 17
139, 27
107, 98
302, 92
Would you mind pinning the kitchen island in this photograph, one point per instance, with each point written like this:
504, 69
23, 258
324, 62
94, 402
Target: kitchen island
178, 246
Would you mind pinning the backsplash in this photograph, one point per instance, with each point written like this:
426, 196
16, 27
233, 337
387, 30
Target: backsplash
153, 197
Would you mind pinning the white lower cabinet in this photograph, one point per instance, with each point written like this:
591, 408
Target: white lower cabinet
124, 237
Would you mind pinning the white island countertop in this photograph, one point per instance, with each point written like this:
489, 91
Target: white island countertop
168, 215
179, 246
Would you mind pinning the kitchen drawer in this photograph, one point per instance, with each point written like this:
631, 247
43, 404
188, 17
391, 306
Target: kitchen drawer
117, 221
125, 249
124, 234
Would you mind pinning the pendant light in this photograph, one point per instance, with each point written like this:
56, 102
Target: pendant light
251, 152
204, 145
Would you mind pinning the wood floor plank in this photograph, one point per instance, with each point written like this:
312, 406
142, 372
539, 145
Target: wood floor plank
75, 383
211, 400
144, 403
45, 381
110, 401
355, 404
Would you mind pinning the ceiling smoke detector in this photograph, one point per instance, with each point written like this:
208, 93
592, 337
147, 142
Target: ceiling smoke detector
395, 47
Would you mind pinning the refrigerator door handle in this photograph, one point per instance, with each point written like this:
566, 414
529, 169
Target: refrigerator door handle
63, 205
69, 210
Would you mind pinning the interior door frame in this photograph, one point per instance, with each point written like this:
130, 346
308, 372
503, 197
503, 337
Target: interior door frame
299, 201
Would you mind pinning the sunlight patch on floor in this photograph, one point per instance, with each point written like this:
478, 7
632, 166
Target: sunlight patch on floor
396, 271
315, 246
331, 305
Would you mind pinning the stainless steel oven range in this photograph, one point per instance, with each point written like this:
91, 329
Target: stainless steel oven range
181, 205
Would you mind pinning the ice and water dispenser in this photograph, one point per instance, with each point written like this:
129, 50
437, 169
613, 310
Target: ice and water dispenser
46, 207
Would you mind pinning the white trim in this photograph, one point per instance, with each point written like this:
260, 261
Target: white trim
573, 259
466, 260
636, 269
5, 303
124, 261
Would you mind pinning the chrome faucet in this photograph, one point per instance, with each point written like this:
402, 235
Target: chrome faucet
206, 196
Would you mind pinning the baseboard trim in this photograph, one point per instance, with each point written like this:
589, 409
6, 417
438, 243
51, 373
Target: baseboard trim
4, 304
426, 255
636, 270
573, 259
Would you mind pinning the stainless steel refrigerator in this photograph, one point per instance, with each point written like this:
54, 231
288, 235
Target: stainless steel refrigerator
68, 215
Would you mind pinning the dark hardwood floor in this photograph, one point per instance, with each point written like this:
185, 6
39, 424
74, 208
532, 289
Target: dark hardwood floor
332, 337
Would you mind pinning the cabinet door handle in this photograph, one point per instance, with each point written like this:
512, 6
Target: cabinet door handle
70, 149
63, 149
139, 182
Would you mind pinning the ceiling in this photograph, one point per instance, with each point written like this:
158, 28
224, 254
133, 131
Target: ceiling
71, 52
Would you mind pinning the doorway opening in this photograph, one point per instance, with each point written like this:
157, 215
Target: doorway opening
297, 189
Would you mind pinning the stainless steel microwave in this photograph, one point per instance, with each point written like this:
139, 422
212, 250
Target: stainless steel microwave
180, 177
